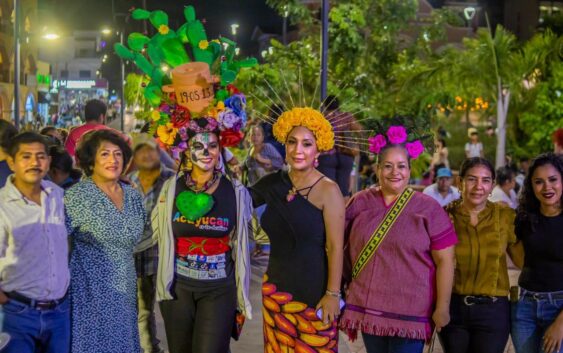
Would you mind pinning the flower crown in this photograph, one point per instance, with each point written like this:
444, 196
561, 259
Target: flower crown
396, 135
309, 118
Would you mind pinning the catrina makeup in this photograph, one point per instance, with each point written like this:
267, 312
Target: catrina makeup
204, 151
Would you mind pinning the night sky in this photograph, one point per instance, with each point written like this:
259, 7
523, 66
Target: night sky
69, 15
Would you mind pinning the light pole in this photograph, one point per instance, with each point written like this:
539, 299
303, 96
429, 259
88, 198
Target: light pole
16, 64
284, 27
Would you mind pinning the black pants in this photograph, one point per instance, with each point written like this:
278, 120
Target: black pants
337, 167
477, 328
199, 322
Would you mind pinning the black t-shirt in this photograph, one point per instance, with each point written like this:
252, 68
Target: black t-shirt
543, 247
199, 271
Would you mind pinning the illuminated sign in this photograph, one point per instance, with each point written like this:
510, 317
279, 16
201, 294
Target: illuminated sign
70, 84
43, 79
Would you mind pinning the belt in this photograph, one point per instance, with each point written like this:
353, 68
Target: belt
36, 304
542, 296
478, 299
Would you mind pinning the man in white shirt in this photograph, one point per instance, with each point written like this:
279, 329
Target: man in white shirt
442, 190
33, 252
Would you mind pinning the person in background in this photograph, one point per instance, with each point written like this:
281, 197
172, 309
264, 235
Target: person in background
33, 252
274, 113
395, 293
473, 148
262, 157
64, 135
557, 139
504, 192
524, 165
105, 220
440, 156
479, 309
61, 171
95, 115
53, 134
537, 316
148, 179
7, 132
337, 163
442, 190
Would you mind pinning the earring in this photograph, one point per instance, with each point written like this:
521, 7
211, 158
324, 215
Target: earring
316, 163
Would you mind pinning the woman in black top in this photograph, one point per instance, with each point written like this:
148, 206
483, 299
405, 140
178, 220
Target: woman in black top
537, 318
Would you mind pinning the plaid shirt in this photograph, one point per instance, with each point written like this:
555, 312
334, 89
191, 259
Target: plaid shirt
146, 262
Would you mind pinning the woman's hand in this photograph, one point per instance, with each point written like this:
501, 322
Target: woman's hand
441, 318
553, 336
331, 308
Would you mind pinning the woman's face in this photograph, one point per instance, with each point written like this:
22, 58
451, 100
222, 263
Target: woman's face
256, 136
204, 151
394, 171
108, 164
301, 149
547, 185
476, 185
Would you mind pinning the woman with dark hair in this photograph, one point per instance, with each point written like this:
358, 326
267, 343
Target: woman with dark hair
479, 309
61, 171
105, 220
503, 191
537, 317
201, 222
399, 256
440, 155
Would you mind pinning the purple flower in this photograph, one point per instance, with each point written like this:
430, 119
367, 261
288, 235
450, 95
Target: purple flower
228, 119
397, 134
414, 148
376, 143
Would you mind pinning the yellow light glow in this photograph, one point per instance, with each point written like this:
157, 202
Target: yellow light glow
106, 31
51, 36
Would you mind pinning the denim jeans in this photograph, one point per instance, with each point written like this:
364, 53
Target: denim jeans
530, 319
385, 344
33, 331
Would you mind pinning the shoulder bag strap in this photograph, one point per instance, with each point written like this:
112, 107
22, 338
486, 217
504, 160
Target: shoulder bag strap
381, 232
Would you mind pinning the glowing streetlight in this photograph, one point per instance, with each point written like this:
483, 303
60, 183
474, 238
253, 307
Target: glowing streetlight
165, 68
234, 28
51, 36
237, 51
106, 31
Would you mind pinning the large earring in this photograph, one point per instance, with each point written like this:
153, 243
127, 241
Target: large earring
316, 163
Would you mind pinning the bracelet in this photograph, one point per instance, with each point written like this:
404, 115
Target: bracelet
335, 294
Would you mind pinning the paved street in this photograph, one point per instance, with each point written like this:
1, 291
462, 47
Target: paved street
251, 340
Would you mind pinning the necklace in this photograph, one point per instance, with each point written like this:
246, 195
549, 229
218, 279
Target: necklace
192, 184
294, 191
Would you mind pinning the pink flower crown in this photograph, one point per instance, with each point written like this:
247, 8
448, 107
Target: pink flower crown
396, 135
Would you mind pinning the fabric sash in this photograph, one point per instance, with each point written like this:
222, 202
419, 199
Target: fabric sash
381, 232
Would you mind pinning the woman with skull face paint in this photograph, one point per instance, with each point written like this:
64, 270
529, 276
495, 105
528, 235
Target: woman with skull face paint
201, 223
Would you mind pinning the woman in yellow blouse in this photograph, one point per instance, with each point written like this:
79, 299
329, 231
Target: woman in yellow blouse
479, 308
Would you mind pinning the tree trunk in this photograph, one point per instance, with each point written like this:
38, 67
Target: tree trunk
502, 111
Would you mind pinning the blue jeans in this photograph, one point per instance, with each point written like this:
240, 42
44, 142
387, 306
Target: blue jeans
32, 330
385, 344
530, 319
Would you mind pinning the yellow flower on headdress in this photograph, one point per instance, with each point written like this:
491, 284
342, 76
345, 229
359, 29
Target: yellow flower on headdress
167, 133
309, 118
203, 44
155, 115
163, 29
220, 106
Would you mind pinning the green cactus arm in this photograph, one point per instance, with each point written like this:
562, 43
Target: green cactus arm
182, 33
154, 53
140, 14
189, 13
158, 18
174, 53
123, 52
137, 41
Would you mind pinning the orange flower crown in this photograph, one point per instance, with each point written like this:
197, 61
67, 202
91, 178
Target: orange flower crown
309, 118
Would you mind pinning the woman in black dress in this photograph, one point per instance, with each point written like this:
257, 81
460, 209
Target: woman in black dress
304, 219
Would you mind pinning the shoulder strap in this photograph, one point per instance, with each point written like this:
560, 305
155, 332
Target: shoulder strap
381, 232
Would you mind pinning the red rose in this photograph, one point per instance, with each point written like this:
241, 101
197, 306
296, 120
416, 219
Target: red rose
232, 89
180, 116
229, 138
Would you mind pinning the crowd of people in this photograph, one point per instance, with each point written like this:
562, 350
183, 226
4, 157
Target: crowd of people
96, 227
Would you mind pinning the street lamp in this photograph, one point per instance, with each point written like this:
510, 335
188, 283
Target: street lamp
106, 31
51, 36
234, 28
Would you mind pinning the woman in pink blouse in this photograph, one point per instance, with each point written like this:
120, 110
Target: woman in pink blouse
404, 288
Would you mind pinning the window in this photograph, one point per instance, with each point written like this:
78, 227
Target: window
64, 73
84, 74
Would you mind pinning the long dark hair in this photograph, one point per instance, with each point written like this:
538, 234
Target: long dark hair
529, 205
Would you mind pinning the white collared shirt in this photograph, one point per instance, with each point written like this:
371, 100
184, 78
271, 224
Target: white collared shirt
33, 243
498, 195
432, 191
